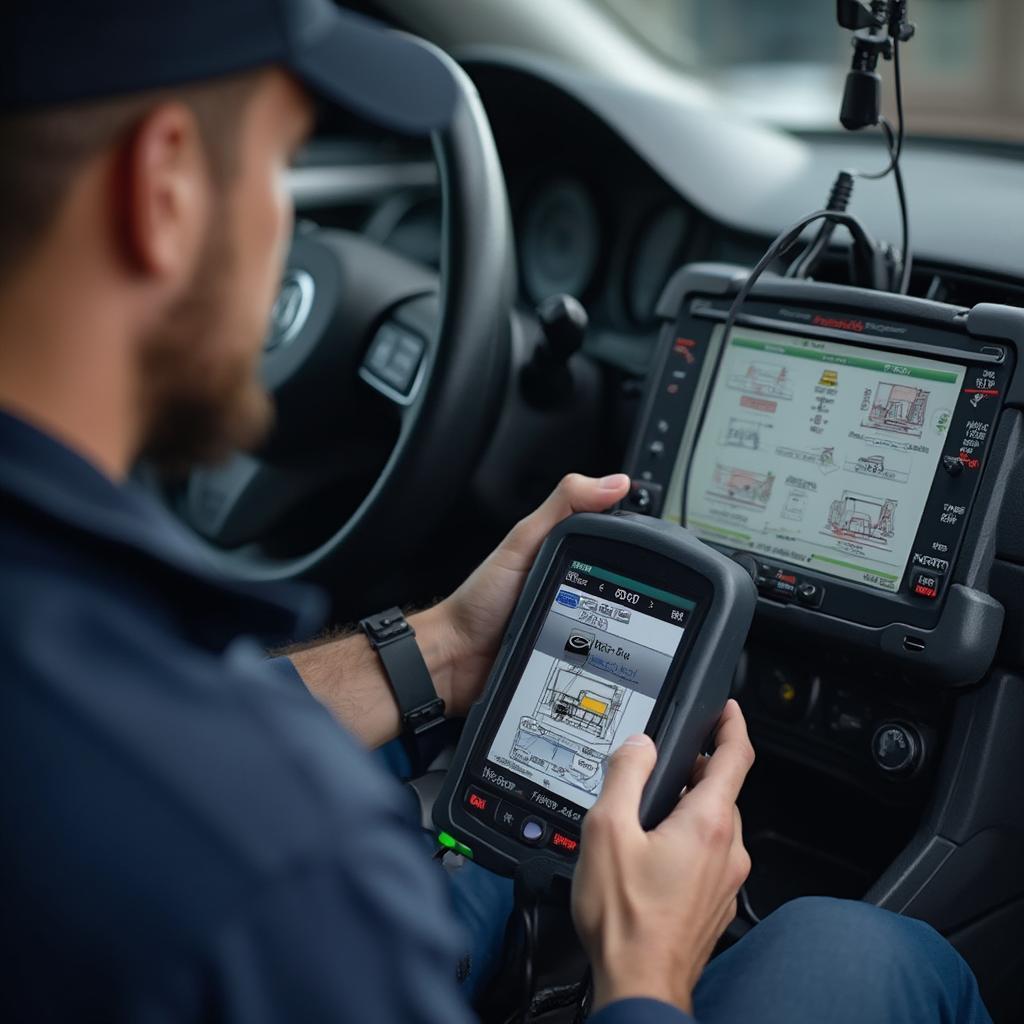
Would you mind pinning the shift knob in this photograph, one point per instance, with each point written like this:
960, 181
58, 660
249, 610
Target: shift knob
547, 379
564, 323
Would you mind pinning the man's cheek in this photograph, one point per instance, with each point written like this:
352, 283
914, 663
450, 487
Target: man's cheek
285, 225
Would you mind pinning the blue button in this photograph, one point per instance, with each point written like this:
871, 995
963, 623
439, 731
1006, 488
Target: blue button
533, 830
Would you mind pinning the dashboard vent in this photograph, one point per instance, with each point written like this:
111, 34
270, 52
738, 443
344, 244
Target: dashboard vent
960, 288
939, 282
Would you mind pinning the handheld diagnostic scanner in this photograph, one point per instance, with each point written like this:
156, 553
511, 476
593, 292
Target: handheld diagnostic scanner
626, 624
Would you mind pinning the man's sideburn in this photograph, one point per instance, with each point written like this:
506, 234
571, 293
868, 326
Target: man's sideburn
202, 394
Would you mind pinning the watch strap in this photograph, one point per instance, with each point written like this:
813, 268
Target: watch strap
394, 640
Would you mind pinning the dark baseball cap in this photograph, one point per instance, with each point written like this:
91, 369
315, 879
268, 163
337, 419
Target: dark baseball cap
54, 52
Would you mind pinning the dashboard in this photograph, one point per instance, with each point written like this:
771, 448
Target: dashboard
836, 440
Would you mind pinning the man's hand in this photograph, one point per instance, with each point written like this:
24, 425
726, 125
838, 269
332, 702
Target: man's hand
459, 637
650, 906
477, 613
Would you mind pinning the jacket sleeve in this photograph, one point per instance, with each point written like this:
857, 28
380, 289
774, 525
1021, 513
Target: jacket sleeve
340, 942
284, 668
641, 1011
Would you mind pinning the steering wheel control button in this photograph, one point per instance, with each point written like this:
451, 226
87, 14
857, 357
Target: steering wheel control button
564, 843
478, 801
532, 831
925, 583
509, 818
394, 357
896, 748
383, 347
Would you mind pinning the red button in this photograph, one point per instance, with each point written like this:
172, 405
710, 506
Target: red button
477, 801
925, 584
560, 841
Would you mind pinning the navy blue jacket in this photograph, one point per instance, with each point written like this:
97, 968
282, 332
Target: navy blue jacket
187, 834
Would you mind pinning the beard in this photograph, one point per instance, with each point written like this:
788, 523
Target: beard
202, 394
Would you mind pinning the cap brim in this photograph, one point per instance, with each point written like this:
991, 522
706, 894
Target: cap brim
382, 75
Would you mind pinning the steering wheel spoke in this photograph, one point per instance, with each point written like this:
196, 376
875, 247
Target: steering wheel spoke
245, 497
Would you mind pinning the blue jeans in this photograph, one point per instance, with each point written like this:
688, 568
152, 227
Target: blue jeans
814, 961
481, 901
836, 961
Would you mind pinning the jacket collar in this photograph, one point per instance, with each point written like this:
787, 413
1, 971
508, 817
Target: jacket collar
48, 479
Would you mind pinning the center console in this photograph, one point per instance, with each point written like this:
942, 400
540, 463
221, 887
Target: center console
859, 453
835, 443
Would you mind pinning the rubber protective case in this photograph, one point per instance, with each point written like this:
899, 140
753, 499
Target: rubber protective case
692, 711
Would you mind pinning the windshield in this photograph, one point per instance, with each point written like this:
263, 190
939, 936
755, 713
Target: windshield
785, 60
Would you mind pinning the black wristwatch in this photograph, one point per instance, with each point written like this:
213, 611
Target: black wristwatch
420, 707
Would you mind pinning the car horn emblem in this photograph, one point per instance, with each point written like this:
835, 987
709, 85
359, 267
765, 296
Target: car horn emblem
291, 309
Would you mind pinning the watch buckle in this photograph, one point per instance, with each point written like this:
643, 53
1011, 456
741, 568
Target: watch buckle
386, 630
425, 717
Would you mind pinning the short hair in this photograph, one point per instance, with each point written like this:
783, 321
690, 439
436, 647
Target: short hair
42, 151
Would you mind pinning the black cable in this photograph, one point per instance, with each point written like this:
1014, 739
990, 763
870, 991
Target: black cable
895, 146
839, 199
748, 907
586, 998
783, 243
908, 259
529, 914
803, 266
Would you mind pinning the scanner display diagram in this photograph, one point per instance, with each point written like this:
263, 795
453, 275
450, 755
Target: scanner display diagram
590, 681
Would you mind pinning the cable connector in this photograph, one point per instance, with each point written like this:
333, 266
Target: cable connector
842, 192
838, 201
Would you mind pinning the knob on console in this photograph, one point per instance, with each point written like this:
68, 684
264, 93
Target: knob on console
897, 748
547, 380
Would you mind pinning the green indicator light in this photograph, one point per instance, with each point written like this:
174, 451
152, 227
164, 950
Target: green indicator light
854, 566
718, 529
451, 843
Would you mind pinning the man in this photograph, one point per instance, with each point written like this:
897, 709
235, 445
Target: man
188, 834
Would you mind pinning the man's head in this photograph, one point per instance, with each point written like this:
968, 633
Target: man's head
176, 200
143, 212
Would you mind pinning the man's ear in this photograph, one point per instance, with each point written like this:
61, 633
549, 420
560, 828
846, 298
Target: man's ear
166, 193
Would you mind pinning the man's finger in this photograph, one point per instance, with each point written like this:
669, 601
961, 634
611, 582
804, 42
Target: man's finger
718, 781
727, 767
575, 493
698, 770
628, 770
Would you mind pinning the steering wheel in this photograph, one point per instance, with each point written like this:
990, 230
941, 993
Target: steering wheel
377, 369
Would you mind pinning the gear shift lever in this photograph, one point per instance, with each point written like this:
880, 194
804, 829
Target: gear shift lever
546, 379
